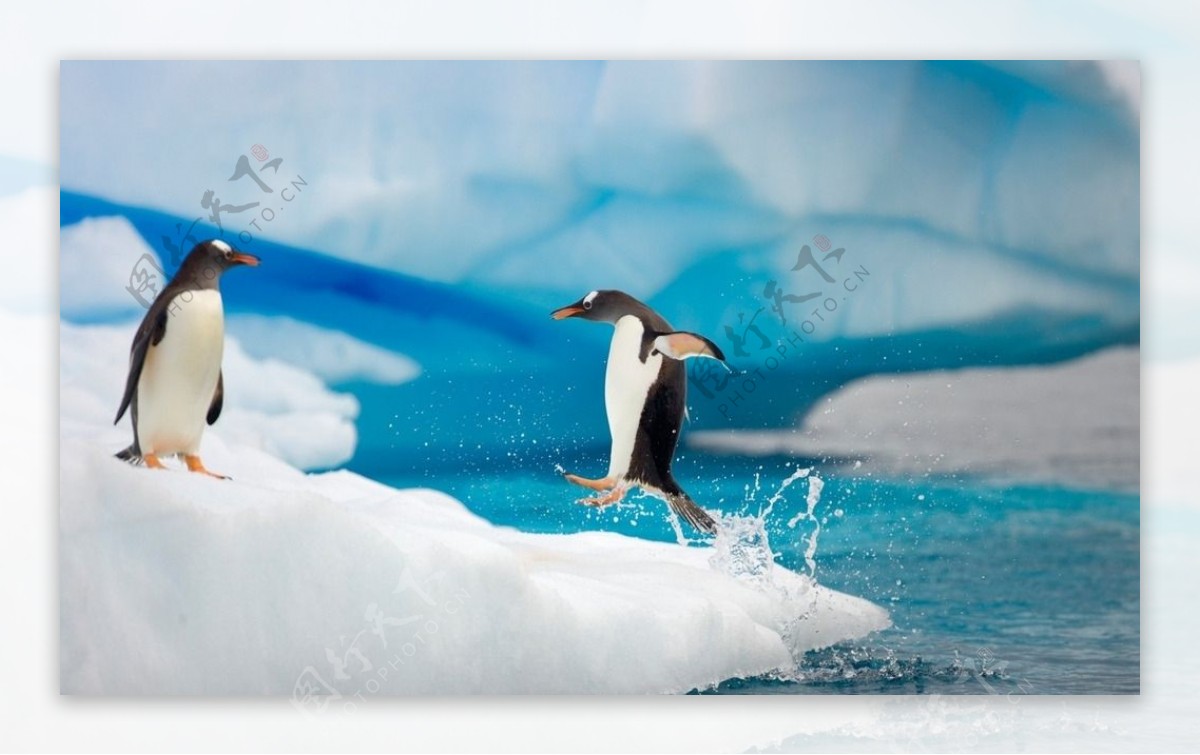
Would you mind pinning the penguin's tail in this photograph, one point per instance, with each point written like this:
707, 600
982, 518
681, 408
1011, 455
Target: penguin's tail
686, 508
130, 455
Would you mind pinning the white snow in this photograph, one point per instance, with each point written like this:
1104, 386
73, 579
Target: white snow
98, 257
331, 355
1077, 422
277, 582
173, 583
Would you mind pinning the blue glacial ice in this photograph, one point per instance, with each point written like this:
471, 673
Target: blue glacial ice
988, 215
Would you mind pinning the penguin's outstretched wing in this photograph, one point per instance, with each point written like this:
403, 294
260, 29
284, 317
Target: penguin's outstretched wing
149, 333
683, 345
214, 409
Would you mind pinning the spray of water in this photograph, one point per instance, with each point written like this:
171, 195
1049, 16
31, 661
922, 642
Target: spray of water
742, 547
815, 485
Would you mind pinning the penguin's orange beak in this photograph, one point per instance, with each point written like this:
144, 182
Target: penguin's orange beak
565, 312
246, 259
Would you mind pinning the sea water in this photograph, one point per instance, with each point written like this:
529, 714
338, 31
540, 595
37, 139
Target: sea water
992, 589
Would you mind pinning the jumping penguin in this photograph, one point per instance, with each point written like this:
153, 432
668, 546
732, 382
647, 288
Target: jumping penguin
645, 392
175, 382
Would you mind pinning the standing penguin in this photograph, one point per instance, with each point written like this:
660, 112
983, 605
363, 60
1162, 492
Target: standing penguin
645, 393
175, 383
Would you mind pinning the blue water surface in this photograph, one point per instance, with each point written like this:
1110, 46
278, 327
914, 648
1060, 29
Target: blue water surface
991, 589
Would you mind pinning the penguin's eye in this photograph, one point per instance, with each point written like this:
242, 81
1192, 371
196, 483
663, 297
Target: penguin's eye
587, 304
229, 254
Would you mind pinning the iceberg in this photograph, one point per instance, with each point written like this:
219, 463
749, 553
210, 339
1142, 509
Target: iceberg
475, 171
331, 355
1039, 424
279, 580
417, 354
332, 587
961, 214
99, 259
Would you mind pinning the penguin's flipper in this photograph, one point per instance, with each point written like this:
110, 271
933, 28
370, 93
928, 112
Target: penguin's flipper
149, 333
214, 409
684, 345
686, 508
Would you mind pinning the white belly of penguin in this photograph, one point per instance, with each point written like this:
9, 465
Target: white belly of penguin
180, 375
627, 382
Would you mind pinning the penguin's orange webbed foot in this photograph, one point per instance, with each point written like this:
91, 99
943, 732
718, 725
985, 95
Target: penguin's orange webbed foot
152, 461
195, 465
616, 495
601, 485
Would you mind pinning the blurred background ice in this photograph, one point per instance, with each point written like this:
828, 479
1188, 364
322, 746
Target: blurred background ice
433, 213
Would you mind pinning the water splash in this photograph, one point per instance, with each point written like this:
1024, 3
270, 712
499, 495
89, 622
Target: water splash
881, 670
815, 485
742, 550
742, 547
778, 495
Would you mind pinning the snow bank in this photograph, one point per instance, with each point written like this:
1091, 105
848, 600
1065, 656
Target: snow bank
100, 259
331, 355
1076, 423
269, 405
280, 583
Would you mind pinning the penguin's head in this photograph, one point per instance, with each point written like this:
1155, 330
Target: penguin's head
208, 259
600, 306
224, 255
